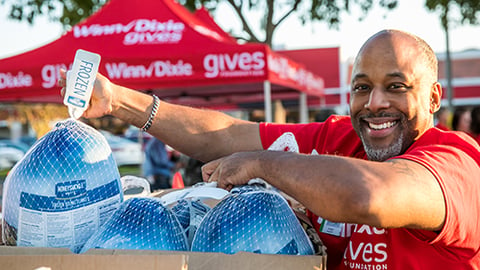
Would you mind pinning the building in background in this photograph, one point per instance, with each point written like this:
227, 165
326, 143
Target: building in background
465, 77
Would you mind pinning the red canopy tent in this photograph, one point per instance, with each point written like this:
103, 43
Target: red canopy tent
160, 47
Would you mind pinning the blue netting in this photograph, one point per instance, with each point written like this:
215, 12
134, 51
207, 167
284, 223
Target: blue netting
252, 219
140, 223
63, 189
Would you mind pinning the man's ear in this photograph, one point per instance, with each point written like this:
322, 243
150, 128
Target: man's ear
435, 97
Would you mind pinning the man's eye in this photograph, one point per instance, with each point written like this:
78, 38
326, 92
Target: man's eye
398, 86
360, 88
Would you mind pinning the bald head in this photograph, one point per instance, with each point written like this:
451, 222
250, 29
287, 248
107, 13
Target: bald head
398, 41
394, 85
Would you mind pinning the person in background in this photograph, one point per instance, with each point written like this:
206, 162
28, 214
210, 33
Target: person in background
193, 171
323, 115
441, 117
157, 166
475, 124
384, 188
461, 119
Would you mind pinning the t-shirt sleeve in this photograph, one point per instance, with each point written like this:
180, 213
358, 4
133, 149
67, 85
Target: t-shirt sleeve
335, 136
307, 133
456, 169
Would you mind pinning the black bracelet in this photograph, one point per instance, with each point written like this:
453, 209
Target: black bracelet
148, 124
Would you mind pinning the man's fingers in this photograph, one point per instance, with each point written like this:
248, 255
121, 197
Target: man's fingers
208, 169
205, 175
221, 171
211, 172
62, 79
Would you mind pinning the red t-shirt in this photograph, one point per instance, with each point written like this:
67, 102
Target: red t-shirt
452, 157
442, 127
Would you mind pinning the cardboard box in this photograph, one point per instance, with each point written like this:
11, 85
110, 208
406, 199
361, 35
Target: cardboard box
37, 258
23, 258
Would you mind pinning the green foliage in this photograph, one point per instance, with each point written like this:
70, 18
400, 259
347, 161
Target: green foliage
455, 11
67, 12
130, 170
328, 11
71, 12
3, 175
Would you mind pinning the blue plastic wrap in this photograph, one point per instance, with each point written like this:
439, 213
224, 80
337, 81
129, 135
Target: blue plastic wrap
140, 223
253, 219
63, 189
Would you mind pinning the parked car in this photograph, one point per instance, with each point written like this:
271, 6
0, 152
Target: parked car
11, 152
28, 140
125, 152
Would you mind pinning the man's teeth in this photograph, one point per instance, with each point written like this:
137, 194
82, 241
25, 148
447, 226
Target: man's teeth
381, 126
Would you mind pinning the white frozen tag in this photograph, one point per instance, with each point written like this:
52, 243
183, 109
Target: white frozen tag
80, 80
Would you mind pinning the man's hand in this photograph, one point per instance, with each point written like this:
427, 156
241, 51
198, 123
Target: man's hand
234, 170
102, 95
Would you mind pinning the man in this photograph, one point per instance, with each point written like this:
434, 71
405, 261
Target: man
462, 119
412, 193
475, 124
157, 166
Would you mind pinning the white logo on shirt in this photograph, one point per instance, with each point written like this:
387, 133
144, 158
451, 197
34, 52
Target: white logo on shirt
364, 252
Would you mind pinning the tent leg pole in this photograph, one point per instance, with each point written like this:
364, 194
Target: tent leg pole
268, 101
303, 108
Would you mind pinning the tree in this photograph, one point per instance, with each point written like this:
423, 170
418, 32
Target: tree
67, 12
467, 14
276, 12
70, 12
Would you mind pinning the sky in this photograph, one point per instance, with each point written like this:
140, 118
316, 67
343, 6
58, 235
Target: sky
409, 16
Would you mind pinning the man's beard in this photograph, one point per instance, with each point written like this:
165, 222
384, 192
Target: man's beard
379, 153
382, 154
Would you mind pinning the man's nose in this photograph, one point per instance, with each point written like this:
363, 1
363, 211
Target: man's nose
377, 100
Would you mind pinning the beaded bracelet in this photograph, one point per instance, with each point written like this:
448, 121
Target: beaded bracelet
148, 124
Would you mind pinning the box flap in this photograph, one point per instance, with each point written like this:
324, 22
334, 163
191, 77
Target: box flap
84, 261
14, 258
247, 260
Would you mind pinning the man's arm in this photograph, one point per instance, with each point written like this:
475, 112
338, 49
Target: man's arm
201, 134
398, 193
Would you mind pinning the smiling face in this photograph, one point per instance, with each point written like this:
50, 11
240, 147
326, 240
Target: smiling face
394, 93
